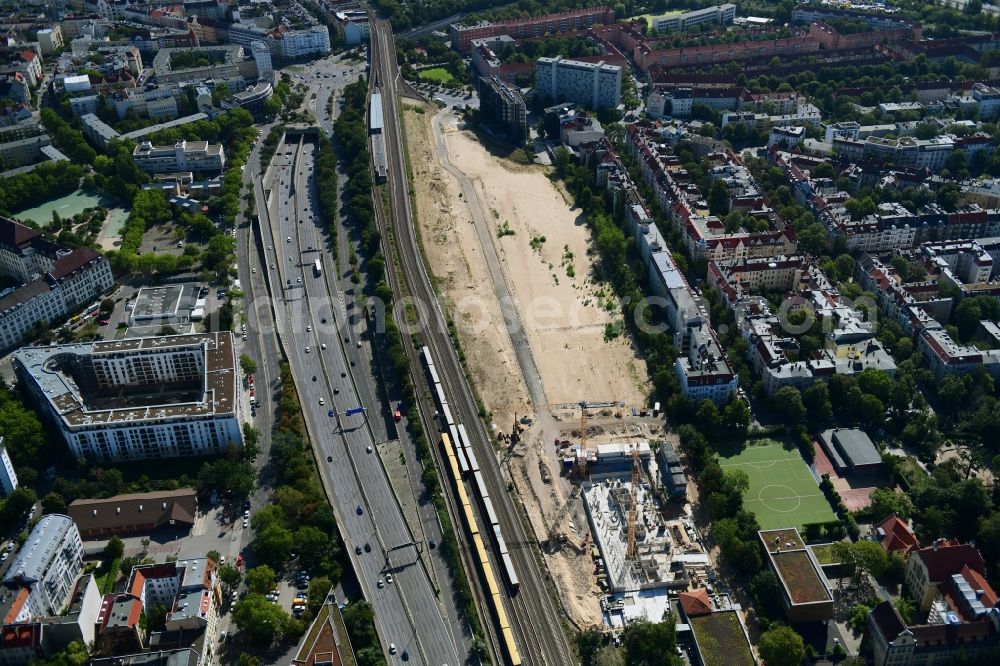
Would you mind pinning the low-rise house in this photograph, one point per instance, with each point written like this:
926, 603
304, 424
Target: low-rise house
895, 535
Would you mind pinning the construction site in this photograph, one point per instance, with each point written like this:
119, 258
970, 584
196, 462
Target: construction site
567, 400
613, 520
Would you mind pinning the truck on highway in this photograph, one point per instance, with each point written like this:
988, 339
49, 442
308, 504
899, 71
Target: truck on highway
318, 268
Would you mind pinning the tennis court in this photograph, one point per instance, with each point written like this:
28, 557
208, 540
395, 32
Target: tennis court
783, 493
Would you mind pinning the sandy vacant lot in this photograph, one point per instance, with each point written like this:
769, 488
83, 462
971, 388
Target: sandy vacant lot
543, 250
456, 262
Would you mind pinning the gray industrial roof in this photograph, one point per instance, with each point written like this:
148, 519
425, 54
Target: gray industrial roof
857, 447
39, 549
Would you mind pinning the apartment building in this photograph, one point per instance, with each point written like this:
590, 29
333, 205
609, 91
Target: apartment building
54, 281
96, 130
535, 26
50, 39
188, 589
961, 262
8, 477
44, 571
946, 637
678, 102
194, 156
678, 21
596, 85
913, 305
262, 58
807, 13
158, 103
300, 43
906, 151
774, 351
142, 398
681, 200
484, 59
702, 368
353, 23
247, 33
787, 137
945, 356
893, 227
224, 65
988, 98
948, 581
503, 107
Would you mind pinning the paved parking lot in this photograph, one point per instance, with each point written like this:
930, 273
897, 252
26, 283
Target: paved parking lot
211, 531
450, 97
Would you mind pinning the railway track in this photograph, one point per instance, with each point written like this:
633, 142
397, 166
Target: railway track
534, 616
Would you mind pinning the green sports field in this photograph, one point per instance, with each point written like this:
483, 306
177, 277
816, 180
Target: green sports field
783, 493
436, 74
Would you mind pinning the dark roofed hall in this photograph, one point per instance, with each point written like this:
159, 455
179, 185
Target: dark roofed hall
851, 450
136, 512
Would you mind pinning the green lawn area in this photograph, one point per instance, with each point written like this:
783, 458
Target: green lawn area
436, 74
783, 493
824, 553
106, 578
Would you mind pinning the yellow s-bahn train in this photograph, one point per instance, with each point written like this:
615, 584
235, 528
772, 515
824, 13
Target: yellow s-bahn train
500, 614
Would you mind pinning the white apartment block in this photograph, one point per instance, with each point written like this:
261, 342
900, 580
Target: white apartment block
113, 10
8, 478
174, 396
262, 57
158, 104
246, 33
300, 43
50, 40
591, 84
721, 14
904, 152
988, 98
45, 570
195, 156
55, 281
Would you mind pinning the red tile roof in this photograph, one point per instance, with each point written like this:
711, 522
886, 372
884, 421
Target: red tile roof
898, 537
946, 558
695, 603
15, 608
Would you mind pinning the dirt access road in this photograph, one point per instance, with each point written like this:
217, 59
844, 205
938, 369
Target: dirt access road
511, 260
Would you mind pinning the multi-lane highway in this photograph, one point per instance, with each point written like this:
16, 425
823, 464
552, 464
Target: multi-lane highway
533, 612
322, 348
